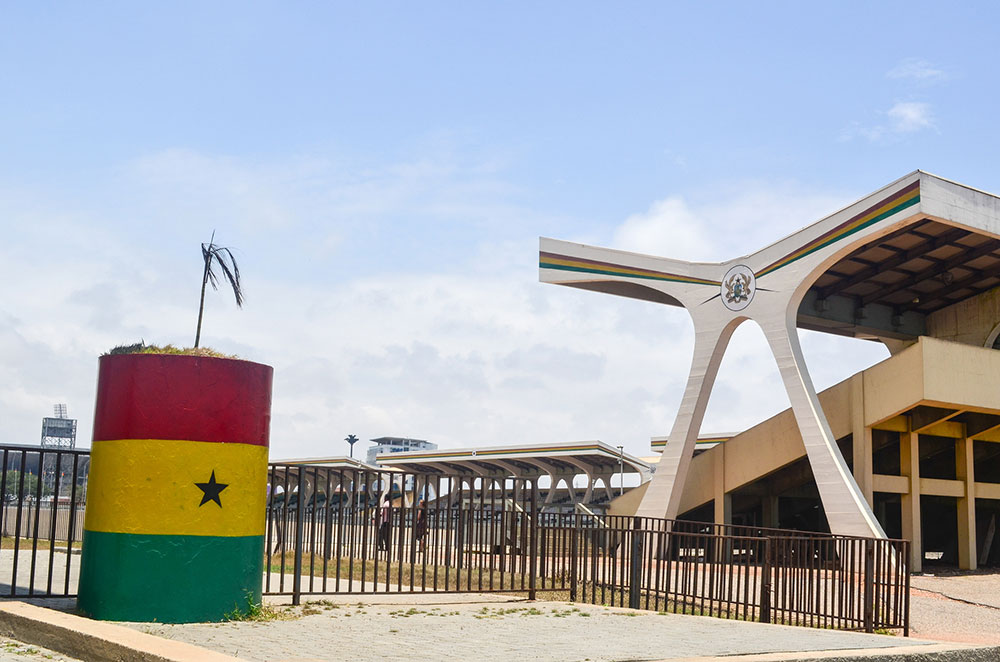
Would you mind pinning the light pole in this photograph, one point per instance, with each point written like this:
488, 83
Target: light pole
621, 470
351, 439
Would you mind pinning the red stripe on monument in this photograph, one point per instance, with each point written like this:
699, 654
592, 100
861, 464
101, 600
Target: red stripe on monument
194, 398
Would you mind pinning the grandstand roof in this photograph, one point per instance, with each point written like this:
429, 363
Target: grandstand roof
526, 460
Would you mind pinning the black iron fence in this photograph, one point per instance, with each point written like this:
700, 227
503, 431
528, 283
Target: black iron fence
774, 576
367, 531
356, 530
41, 520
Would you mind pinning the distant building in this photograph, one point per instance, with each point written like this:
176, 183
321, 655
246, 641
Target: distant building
397, 445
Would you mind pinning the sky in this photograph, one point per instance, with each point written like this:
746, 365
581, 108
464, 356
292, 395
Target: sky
383, 172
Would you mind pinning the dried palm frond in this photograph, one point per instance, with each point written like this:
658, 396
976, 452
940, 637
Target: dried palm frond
222, 256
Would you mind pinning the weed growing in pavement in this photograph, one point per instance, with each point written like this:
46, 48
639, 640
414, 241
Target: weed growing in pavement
17, 648
256, 612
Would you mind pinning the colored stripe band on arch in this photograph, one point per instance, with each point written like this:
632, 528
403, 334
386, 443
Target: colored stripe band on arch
197, 398
897, 202
582, 265
150, 486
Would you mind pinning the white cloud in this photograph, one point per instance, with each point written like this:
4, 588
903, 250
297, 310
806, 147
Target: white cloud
902, 119
910, 116
918, 70
669, 226
727, 223
471, 350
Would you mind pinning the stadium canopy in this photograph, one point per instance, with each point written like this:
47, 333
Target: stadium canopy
594, 458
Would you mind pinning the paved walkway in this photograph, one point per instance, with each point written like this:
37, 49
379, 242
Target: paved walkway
498, 632
40, 579
16, 651
956, 606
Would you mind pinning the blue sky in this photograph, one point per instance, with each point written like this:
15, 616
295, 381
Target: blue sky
384, 171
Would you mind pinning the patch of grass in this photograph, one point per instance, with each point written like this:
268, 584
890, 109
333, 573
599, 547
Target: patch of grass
258, 612
7, 542
142, 348
18, 648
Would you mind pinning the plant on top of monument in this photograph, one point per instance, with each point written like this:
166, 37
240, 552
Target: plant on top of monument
213, 255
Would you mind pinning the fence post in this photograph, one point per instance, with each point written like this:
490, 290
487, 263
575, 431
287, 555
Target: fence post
300, 510
765, 584
635, 567
574, 560
905, 560
869, 585
533, 540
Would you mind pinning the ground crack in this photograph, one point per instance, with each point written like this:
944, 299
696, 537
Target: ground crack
962, 600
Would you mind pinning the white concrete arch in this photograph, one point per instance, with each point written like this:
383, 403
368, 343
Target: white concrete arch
767, 286
993, 340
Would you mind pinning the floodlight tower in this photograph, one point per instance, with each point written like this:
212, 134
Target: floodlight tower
59, 432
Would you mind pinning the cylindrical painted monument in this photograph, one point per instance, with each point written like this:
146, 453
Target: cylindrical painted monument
174, 527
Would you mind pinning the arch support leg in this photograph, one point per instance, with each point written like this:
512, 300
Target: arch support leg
846, 509
663, 496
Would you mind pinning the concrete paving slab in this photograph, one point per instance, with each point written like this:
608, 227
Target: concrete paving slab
18, 651
539, 631
929, 653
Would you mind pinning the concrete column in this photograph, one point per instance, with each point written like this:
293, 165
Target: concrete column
553, 484
769, 507
909, 465
589, 494
723, 500
965, 471
862, 439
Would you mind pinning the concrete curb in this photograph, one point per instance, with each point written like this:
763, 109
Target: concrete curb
94, 640
932, 652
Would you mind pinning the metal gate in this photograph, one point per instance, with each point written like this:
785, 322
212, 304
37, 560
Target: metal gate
346, 530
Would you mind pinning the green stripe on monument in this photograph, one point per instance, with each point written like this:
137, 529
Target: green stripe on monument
170, 579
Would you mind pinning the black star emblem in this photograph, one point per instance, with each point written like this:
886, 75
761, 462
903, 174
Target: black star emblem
211, 490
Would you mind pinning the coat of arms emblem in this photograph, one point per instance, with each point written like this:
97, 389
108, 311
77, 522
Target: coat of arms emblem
738, 287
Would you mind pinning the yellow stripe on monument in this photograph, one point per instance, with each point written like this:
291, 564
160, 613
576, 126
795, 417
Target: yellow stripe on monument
148, 486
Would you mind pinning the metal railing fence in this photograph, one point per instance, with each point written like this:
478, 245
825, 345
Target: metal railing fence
466, 533
41, 520
370, 531
789, 577
355, 530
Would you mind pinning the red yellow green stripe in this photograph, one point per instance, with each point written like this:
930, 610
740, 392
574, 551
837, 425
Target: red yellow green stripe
582, 265
177, 490
897, 202
150, 486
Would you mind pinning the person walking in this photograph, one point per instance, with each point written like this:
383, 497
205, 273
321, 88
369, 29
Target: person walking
384, 518
420, 528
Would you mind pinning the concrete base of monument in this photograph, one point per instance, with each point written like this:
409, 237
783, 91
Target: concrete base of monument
94, 641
